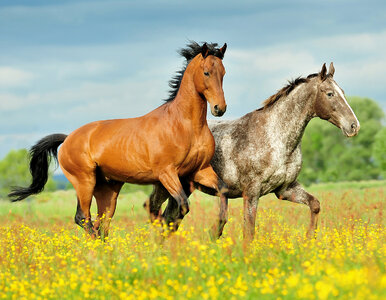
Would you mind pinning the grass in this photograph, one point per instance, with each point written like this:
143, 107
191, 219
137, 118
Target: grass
44, 255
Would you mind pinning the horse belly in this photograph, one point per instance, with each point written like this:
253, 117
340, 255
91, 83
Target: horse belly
285, 174
123, 166
127, 174
274, 181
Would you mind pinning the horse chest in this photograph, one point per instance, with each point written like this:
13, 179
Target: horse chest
199, 154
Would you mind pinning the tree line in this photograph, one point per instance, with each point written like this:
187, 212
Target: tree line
328, 156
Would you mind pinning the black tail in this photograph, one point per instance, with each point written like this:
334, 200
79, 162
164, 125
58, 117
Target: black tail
40, 161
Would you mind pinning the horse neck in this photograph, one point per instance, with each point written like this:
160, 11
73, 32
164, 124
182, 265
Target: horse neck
189, 103
293, 113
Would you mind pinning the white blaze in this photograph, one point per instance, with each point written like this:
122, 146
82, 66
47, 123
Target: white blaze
340, 93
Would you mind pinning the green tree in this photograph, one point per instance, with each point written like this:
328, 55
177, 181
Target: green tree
14, 171
379, 150
330, 156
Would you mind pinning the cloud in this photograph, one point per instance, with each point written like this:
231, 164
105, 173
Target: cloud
13, 102
80, 70
11, 77
356, 43
273, 60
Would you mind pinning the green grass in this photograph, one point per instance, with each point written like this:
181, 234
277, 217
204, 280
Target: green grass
344, 185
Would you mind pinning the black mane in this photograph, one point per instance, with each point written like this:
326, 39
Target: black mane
191, 50
287, 89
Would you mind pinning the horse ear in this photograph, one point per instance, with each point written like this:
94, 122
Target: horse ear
323, 72
204, 50
223, 49
331, 70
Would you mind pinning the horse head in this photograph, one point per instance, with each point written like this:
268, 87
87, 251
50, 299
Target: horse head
208, 78
331, 104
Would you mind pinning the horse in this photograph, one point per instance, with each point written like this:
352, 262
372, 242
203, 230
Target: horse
169, 142
260, 152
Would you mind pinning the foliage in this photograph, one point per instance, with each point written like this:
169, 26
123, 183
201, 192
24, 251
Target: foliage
14, 171
43, 255
379, 150
330, 156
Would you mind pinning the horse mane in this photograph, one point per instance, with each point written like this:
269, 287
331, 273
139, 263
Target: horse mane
191, 51
285, 91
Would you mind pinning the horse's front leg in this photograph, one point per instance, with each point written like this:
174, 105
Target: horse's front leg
250, 209
296, 193
208, 178
172, 184
154, 203
172, 214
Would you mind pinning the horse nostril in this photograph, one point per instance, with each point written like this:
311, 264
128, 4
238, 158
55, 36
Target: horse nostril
353, 126
216, 108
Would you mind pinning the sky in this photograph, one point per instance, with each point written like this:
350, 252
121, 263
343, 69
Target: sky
66, 63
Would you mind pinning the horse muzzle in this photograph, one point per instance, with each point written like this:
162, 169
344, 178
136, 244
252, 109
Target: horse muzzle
217, 111
351, 130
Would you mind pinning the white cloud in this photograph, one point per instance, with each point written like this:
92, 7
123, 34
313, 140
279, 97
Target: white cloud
81, 69
361, 43
272, 60
12, 102
12, 77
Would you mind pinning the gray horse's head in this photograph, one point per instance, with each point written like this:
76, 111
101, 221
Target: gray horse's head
331, 104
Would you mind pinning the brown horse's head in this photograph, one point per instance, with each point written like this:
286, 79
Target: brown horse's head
331, 104
208, 79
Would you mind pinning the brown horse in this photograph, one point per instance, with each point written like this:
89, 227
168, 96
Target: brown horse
171, 141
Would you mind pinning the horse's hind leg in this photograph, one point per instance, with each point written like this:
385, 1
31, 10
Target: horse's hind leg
295, 193
80, 219
83, 183
106, 194
84, 190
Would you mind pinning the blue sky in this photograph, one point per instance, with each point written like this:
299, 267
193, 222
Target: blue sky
66, 63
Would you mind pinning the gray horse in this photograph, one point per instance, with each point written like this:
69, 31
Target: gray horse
260, 152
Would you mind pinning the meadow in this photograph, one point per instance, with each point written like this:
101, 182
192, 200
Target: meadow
44, 255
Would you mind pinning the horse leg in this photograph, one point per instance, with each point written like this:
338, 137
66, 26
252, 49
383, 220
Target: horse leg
250, 209
172, 184
84, 189
172, 213
208, 178
106, 194
296, 193
154, 203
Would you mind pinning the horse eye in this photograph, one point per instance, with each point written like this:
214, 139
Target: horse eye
330, 94
206, 73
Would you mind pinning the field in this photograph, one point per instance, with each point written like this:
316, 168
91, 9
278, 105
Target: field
44, 255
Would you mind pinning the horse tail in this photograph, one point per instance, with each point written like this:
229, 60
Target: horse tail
40, 161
